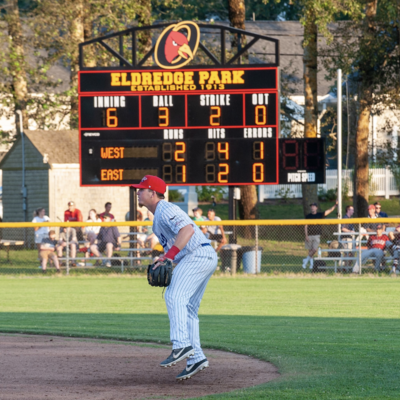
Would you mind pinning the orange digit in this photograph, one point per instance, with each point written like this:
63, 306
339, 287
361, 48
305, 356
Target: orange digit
258, 150
163, 114
258, 172
180, 151
223, 173
180, 173
112, 120
223, 151
214, 117
261, 115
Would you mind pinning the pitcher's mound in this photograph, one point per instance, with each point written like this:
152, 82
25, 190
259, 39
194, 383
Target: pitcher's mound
47, 367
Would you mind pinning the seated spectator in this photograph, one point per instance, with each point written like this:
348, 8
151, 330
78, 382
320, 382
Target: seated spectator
150, 238
74, 215
376, 246
141, 236
378, 212
108, 240
216, 232
395, 239
47, 250
107, 207
92, 231
197, 216
73, 243
371, 227
39, 215
348, 240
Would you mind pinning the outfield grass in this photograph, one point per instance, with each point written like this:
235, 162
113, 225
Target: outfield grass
332, 338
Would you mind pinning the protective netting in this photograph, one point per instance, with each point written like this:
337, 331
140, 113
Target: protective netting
282, 247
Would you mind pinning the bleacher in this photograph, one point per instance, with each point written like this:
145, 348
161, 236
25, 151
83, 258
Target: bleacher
346, 258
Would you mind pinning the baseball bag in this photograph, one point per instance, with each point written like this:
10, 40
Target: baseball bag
160, 276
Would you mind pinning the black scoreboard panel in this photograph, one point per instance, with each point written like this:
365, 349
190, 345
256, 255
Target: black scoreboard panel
301, 161
189, 127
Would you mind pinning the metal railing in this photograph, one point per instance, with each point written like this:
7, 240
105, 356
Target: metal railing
252, 247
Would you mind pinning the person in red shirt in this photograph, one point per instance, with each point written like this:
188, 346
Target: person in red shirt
376, 246
107, 213
72, 215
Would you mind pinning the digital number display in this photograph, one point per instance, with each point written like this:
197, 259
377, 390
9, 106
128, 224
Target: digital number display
189, 127
301, 161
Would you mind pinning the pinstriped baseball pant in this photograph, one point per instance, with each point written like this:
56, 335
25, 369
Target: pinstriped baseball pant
183, 297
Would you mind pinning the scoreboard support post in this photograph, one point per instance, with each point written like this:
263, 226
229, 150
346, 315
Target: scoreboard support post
132, 215
232, 213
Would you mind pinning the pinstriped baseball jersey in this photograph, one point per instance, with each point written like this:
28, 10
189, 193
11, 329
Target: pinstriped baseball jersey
169, 219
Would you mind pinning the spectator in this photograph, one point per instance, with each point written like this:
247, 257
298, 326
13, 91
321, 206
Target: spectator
47, 250
73, 215
378, 212
348, 240
151, 238
92, 231
107, 207
197, 213
313, 233
216, 232
73, 243
376, 245
370, 227
39, 215
108, 240
395, 239
141, 236
138, 215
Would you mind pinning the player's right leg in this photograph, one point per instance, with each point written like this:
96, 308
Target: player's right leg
210, 257
188, 276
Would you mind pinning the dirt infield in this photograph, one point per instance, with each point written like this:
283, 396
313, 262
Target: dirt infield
47, 367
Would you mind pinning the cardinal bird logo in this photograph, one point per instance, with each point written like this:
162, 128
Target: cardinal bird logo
177, 45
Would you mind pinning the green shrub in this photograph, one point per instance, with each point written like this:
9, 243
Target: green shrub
205, 193
175, 196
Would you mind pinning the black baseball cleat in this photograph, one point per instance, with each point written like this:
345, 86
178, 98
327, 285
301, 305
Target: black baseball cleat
193, 369
177, 355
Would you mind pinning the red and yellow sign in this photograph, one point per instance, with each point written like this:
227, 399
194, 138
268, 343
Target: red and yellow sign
177, 45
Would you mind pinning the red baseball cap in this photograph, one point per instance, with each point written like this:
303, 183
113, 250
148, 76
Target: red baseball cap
371, 206
152, 182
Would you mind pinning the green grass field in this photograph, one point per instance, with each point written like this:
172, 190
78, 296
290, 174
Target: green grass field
332, 338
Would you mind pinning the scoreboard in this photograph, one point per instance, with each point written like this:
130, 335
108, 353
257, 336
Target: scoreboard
216, 126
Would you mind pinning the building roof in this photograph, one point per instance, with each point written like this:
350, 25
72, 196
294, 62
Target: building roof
61, 147
57, 147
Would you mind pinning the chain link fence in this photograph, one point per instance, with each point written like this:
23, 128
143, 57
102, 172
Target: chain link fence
250, 247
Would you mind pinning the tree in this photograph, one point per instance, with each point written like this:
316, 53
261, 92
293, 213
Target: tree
317, 14
15, 67
61, 25
310, 62
367, 49
248, 200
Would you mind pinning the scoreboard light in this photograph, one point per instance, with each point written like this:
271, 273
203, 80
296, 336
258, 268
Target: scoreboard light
189, 127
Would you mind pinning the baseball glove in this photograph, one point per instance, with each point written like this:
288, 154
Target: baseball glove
160, 276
